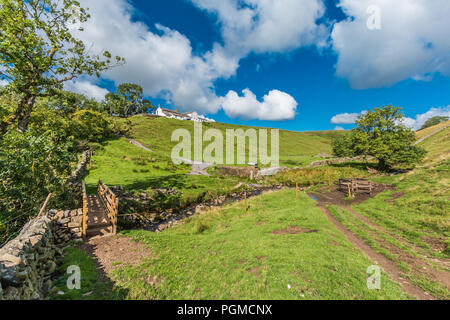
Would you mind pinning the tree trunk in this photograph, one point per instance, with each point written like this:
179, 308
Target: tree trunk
24, 117
382, 165
22, 114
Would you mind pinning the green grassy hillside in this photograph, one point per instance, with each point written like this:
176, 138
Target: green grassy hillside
296, 148
119, 162
287, 252
438, 145
280, 248
413, 221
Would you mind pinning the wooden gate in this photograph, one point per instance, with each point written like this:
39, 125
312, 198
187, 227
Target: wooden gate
110, 203
356, 185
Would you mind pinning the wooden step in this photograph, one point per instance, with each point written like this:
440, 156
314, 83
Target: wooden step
99, 231
99, 225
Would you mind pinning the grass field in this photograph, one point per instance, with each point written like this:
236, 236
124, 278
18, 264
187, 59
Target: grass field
413, 221
120, 163
273, 251
282, 248
438, 147
296, 148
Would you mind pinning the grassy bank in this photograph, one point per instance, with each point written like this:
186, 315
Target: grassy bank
272, 252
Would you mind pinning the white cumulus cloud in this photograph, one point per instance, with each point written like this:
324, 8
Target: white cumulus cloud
413, 123
413, 42
267, 25
417, 122
276, 106
346, 118
86, 88
162, 61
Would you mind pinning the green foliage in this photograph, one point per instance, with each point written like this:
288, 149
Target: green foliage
39, 161
127, 101
38, 52
90, 125
434, 121
380, 134
69, 102
31, 166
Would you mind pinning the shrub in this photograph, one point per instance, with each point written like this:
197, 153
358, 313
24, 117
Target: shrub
201, 226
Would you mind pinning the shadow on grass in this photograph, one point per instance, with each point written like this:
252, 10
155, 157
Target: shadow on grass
178, 181
109, 290
356, 165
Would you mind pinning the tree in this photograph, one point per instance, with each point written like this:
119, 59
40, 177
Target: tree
128, 100
381, 134
38, 53
434, 121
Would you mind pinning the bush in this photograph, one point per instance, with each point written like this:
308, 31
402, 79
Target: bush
90, 125
201, 226
31, 167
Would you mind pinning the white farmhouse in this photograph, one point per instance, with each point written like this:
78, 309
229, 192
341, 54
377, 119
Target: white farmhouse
193, 116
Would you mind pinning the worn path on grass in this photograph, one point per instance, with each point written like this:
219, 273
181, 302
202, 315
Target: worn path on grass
420, 262
198, 168
432, 134
442, 276
388, 266
112, 252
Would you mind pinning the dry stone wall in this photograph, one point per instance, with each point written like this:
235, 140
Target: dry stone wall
28, 262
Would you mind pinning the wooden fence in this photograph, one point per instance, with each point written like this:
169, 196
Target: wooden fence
85, 212
353, 186
110, 203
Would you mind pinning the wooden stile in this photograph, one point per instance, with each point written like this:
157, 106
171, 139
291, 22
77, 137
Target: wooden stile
85, 211
110, 203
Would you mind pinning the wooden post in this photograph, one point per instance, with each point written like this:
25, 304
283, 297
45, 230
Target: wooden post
44, 206
245, 201
85, 212
296, 190
349, 191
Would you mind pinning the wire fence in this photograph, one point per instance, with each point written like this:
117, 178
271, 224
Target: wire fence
30, 217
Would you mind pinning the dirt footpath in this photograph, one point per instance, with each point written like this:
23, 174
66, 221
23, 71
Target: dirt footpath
419, 266
112, 252
387, 265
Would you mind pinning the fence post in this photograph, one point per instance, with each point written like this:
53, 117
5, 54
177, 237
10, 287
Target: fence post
44, 206
85, 211
296, 190
245, 201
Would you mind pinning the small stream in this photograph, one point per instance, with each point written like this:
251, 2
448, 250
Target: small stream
173, 219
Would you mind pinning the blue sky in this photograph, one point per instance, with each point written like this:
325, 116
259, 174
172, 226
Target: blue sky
311, 60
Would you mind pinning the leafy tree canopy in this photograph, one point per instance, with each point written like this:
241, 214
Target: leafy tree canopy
127, 101
381, 134
38, 53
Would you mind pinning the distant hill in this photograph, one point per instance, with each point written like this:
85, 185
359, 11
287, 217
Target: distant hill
437, 143
296, 148
430, 130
